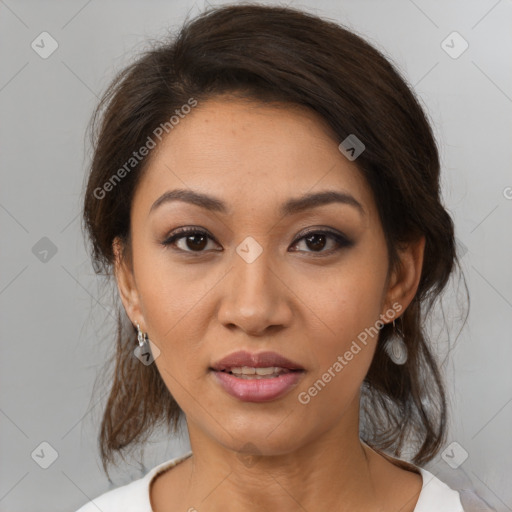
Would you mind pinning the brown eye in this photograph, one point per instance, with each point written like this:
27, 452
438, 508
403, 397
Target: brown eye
316, 241
189, 240
196, 242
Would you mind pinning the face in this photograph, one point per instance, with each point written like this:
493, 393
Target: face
306, 283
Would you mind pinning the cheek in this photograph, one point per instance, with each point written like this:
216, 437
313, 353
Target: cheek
170, 294
349, 300
346, 326
172, 304
347, 308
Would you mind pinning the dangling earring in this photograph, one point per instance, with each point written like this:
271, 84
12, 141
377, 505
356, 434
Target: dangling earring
147, 351
395, 347
142, 339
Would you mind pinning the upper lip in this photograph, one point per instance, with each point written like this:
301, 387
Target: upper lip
258, 360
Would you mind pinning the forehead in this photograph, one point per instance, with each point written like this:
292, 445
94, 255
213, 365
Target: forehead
250, 153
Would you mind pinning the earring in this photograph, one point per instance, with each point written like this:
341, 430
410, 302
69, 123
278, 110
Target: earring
395, 347
142, 339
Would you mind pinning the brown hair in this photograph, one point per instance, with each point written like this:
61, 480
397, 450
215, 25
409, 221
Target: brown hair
289, 56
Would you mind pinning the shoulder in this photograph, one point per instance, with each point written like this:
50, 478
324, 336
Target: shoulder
430, 493
436, 495
132, 497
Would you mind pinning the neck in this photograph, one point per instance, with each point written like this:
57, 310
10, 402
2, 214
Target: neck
334, 471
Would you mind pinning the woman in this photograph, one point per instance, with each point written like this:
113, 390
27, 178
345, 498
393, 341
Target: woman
265, 190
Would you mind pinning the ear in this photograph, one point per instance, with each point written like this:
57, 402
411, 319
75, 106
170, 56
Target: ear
404, 280
126, 284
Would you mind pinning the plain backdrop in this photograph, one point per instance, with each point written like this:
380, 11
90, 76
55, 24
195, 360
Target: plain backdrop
57, 324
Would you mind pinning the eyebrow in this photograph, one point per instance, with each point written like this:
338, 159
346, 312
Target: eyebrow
291, 206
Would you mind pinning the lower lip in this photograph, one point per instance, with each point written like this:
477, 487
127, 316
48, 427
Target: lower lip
258, 390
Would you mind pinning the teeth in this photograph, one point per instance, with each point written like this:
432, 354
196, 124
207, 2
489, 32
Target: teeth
247, 370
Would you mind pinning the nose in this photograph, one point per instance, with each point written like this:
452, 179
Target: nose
254, 297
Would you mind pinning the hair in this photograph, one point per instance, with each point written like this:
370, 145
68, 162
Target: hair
284, 55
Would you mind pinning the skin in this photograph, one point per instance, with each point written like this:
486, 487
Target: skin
198, 307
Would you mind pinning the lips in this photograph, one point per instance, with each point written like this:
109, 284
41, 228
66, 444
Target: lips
255, 360
260, 377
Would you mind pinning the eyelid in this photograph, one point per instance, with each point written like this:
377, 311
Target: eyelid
319, 229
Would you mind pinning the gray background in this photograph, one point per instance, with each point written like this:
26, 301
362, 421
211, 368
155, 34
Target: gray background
57, 323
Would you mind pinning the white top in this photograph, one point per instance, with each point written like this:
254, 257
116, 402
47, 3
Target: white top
435, 495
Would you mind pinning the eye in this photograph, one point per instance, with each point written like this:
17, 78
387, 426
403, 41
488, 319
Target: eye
192, 239
317, 241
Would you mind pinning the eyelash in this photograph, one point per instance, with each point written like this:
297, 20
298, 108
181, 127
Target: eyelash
341, 240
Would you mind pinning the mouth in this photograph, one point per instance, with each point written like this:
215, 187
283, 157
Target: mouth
252, 373
262, 363
256, 377
252, 387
